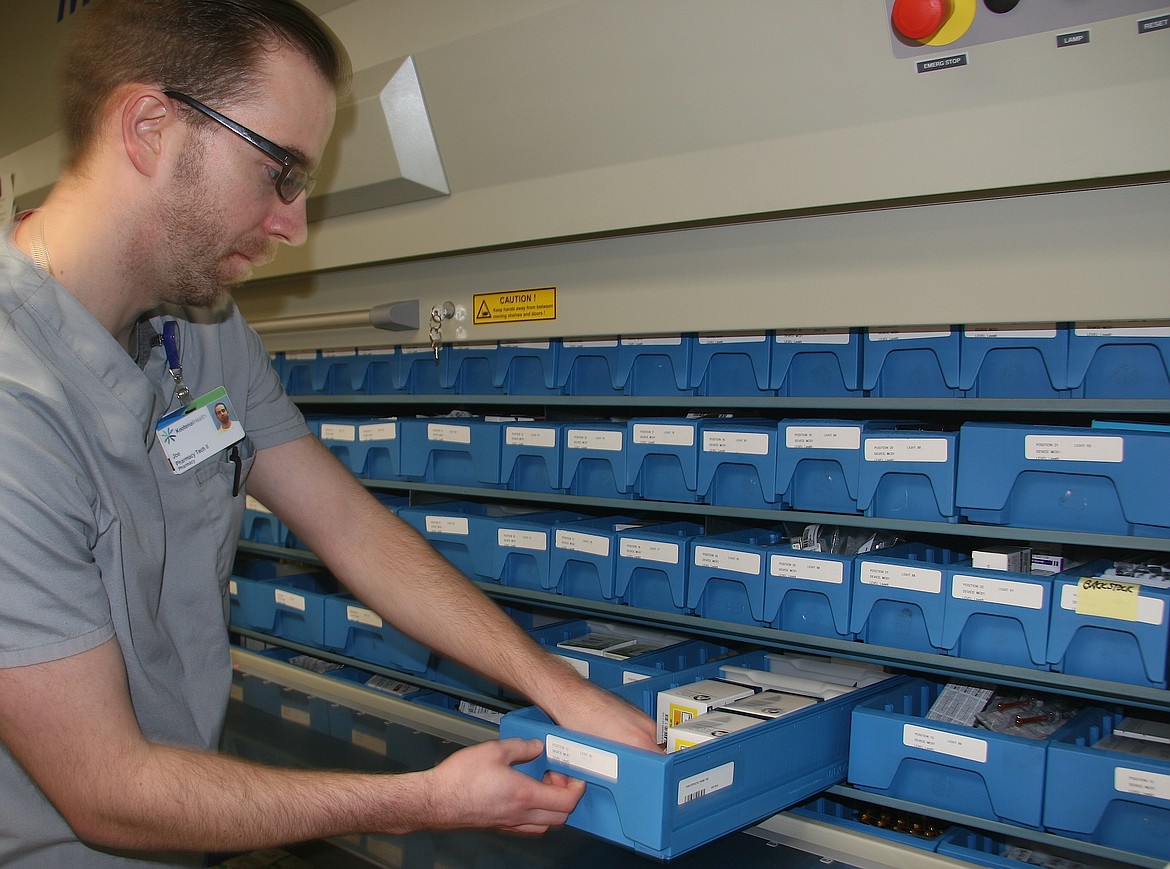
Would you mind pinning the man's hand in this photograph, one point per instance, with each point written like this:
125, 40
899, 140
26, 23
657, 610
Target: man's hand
477, 787
593, 710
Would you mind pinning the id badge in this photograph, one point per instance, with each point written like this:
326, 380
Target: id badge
202, 429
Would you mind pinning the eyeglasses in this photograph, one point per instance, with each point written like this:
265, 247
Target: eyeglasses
293, 176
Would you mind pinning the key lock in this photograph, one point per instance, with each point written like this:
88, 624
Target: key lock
439, 313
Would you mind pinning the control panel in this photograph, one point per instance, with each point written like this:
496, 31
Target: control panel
923, 27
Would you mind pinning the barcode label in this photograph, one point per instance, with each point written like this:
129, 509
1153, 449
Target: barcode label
706, 783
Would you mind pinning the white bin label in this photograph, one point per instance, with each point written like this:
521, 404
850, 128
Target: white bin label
1141, 783
451, 434
706, 783
812, 337
336, 431
288, 599
739, 442
812, 569
611, 342
935, 450
732, 339
362, 616
447, 525
582, 667
728, 559
675, 341
944, 742
1118, 330
575, 541
296, 716
1074, 448
525, 345
1006, 592
1009, 331
368, 741
251, 503
518, 436
901, 335
667, 435
586, 439
823, 437
579, 756
900, 576
648, 550
378, 431
515, 538
233, 589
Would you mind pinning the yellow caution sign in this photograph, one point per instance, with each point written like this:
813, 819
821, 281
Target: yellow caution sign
515, 306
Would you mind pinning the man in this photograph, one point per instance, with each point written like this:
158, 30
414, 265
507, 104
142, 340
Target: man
193, 126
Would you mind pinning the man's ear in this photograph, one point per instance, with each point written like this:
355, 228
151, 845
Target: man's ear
147, 118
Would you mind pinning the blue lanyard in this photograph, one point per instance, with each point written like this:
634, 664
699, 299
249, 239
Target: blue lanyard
170, 339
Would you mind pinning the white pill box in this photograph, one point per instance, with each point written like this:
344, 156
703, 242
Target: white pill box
705, 727
769, 704
676, 705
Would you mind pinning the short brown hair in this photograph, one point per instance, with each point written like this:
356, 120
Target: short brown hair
209, 49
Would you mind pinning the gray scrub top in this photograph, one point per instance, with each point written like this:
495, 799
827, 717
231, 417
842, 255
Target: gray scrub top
99, 539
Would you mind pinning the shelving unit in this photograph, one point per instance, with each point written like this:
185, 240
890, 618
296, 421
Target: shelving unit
1061, 411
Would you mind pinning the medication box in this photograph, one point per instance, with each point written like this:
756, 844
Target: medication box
706, 727
1109, 797
817, 363
1102, 480
1115, 628
897, 751
680, 704
663, 805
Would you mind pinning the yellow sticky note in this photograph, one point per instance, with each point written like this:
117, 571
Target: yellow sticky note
1108, 598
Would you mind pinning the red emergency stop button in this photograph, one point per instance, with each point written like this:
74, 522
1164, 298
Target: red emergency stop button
919, 19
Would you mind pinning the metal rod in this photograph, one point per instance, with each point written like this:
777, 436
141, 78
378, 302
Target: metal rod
312, 322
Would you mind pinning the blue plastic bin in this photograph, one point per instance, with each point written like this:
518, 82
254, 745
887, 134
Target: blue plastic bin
286, 605
737, 463
595, 460
663, 805
1099, 480
588, 367
451, 451
261, 525
419, 373
521, 548
731, 365
662, 458
469, 369
301, 370
1111, 798
358, 632
527, 368
818, 464
808, 592
532, 456
463, 532
905, 363
897, 751
584, 555
727, 574
997, 615
1010, 361
898, 597
651, 566
817, 363
654, 366
381, 366
1121, 644
1120, 360
909, 475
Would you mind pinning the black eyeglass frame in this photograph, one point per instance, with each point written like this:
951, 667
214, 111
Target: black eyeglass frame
290, 182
